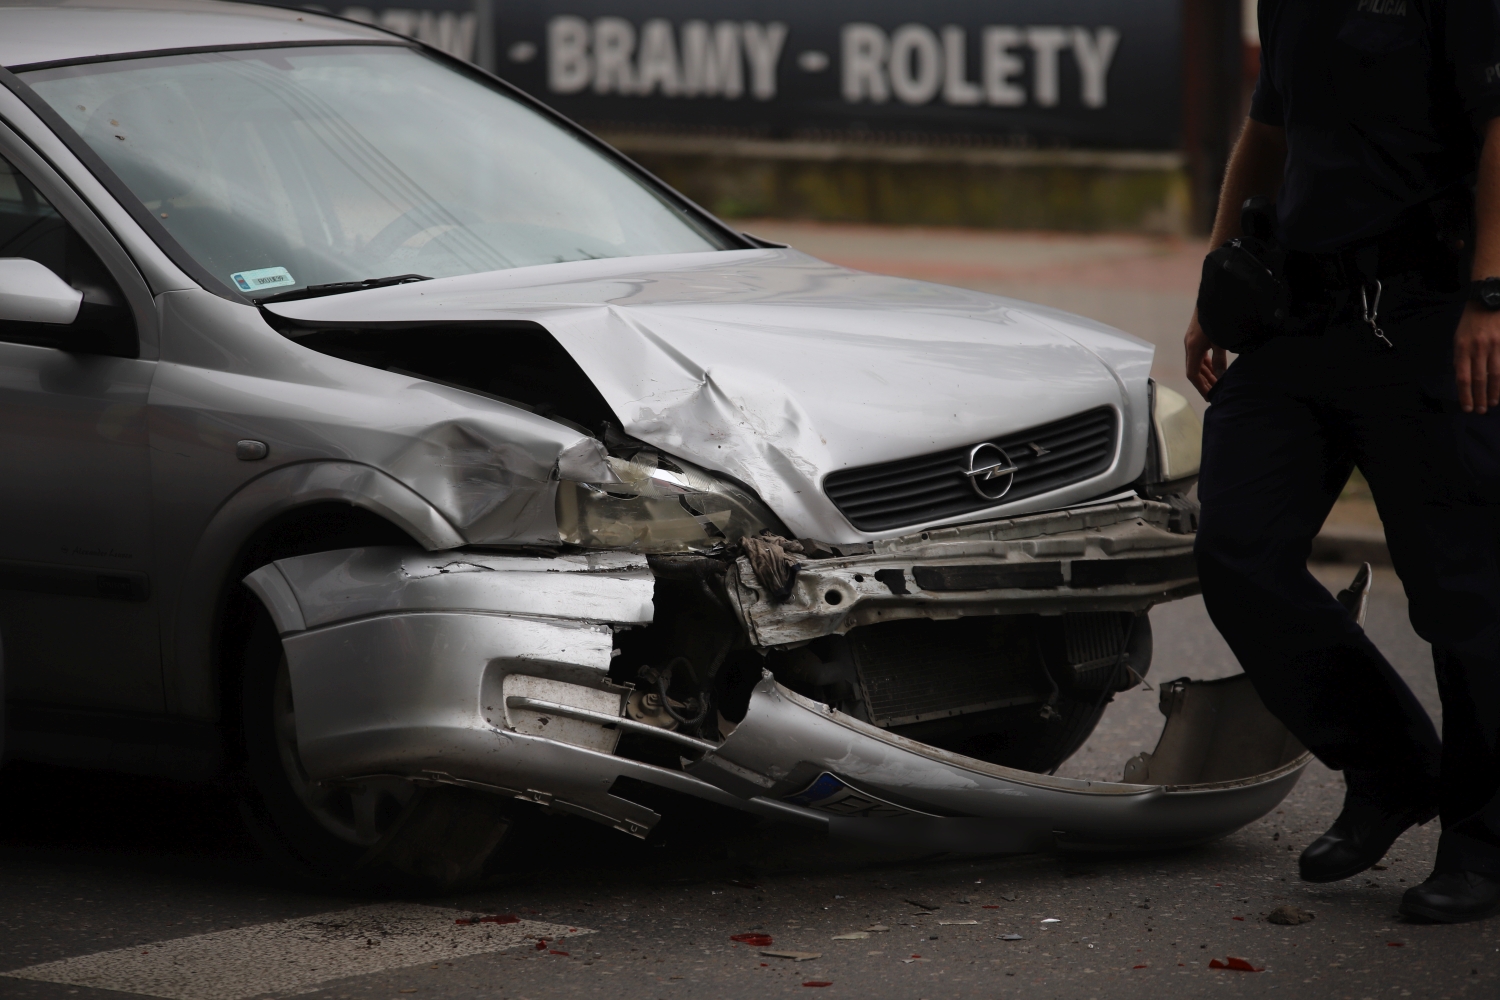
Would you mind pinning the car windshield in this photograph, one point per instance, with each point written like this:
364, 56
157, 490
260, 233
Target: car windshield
279, 169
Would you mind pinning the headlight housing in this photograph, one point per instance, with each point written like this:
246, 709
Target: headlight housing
660, 504
1174, 448
1179, 435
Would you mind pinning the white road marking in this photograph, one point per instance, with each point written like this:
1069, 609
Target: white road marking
294, 956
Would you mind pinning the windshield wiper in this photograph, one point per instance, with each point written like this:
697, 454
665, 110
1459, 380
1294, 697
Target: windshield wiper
336, 287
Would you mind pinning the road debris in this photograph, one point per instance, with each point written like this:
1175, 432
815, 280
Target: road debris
956, 923
877, 928
989, 906
1395, 944
914, 958
1289, 916
1051, 920
1233, 964
817, 982
924, 905
795, 956
1011, 937
752, 939
852, 936
1140, 966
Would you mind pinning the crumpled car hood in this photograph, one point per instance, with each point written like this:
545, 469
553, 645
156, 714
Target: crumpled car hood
777, 368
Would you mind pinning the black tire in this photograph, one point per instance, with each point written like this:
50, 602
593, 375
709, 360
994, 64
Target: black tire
384, 833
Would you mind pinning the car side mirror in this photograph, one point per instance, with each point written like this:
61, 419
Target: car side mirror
31, 293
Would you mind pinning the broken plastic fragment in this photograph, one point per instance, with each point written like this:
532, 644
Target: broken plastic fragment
817, 982
1234, 964
923, 904
1140, 966
795, 956
852, 936
562, 953
753, 940
541, 945
953, 923
989, 906
1051, 920
877, 928
1395, 944
1011, 937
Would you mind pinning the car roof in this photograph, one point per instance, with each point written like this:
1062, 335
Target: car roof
34, 32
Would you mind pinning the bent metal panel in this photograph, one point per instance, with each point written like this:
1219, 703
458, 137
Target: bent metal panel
1084, 73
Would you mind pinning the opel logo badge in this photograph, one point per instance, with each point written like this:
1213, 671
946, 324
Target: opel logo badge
990, 471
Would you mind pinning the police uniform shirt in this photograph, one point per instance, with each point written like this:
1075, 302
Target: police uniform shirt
1384, 103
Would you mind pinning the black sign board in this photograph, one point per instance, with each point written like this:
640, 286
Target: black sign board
1080, 73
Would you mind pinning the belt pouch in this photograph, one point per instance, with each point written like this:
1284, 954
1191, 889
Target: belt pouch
1243, 299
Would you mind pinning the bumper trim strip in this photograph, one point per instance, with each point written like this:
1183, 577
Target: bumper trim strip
583, 714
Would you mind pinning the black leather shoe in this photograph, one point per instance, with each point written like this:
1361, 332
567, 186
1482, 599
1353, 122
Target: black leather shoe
1358, 838
1452, 898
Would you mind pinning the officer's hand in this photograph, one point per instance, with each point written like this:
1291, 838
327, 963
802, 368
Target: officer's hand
1205, 362
1476, 359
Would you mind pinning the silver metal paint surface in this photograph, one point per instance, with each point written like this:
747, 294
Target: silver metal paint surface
777, 368
79, 29
835, 595
328, 587
954, 802
517, 702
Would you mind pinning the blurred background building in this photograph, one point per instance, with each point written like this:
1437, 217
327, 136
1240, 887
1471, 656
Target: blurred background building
1083, 115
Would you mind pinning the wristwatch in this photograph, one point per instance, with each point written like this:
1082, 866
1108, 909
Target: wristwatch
1486, 291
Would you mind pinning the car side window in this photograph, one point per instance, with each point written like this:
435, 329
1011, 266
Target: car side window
32, 228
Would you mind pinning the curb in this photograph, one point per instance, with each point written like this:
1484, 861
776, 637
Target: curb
1350, 547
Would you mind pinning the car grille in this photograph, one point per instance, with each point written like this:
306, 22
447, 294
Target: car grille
933, 487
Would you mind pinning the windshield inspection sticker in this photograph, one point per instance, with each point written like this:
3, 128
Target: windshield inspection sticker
266, 277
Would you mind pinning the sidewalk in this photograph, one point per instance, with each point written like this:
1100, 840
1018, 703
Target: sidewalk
1143, 285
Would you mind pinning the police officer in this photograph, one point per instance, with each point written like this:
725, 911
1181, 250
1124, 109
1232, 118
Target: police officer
1373, 125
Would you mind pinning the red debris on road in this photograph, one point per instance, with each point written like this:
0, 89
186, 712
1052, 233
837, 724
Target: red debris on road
817, 982
753, 940
1236, 918
562, 953
1233, 964
1140, 966
1395, 944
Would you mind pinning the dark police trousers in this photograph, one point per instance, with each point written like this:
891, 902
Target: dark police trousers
1286, 424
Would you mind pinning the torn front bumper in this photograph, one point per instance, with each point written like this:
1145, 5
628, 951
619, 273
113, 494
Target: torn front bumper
1108, 557
492, 672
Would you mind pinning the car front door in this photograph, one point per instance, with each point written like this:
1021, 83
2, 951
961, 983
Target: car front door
77, 609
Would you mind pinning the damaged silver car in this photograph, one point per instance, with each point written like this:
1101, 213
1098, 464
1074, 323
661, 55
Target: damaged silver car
380, 439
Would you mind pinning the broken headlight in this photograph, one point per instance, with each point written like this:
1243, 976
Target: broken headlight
1179, 435
659, 504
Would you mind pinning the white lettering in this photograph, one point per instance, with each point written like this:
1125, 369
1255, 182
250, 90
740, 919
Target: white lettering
569, 68
658, 60
763, 51
957, 87
450, 31
1094, 54
1001, 66
711, 63
1045, 43
916, 64
614, 43
864, 52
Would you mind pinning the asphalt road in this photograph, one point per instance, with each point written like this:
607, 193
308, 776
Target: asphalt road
114, 874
